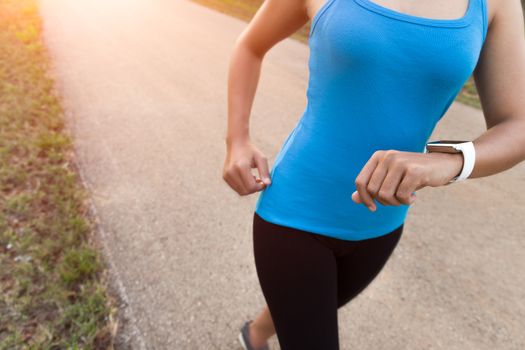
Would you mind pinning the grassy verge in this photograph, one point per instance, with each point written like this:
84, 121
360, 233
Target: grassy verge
245, 9
53, 291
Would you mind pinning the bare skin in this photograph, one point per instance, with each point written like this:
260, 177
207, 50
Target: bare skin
390, 176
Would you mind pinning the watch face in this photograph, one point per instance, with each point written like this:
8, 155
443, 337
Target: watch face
442, 149
444, 146
445, 141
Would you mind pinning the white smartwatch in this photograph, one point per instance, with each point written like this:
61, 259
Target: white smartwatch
453, 146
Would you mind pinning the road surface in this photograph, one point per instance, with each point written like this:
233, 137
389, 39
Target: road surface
144, 88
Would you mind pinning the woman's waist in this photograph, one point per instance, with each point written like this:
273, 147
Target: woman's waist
379, 126
329, 145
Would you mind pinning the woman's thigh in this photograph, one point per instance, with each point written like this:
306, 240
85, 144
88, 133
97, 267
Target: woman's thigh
298, 277
362, 262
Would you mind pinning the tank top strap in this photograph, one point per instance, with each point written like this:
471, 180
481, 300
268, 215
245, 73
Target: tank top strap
484, 15
479, 10
319, 14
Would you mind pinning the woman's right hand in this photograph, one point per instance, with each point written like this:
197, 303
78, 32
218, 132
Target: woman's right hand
241, 157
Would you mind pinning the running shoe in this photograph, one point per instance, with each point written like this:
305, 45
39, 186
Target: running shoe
244, 338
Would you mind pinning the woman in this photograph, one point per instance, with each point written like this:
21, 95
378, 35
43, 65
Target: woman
382, 74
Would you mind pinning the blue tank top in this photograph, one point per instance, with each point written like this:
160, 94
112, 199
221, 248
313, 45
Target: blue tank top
378, 79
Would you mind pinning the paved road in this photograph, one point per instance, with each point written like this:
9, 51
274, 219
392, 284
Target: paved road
144, 87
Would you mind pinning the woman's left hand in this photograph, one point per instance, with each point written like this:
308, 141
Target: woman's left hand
392, 176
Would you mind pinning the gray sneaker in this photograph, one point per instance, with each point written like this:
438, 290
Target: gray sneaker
244, 338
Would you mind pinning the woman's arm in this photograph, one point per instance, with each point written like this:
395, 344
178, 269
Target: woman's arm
274, 21
392, 176
500, 81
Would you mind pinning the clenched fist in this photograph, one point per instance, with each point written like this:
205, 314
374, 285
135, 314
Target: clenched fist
391, 177
241, 157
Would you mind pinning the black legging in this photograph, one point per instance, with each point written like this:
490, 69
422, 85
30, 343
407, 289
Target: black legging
305, 277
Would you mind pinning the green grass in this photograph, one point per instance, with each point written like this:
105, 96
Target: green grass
245, 9
53, 291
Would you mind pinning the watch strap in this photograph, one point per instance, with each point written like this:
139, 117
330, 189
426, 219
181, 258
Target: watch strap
469, 158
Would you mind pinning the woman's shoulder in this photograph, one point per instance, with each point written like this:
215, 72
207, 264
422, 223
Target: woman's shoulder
497, 8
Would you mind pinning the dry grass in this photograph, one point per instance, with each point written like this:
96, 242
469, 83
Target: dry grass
52, 281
